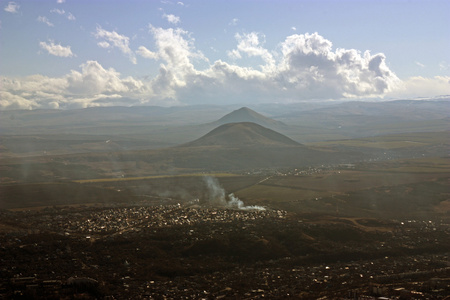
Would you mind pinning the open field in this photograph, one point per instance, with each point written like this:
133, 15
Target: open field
395, 141
148, 190
376, 189
98, 180
384, 189
380, 176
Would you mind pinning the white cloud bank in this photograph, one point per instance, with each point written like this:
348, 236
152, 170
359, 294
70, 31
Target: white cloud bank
93, 86
423, 87
304, 67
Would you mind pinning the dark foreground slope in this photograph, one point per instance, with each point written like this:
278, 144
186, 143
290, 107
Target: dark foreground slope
181, 252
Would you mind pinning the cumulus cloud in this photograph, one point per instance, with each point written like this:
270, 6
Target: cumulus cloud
12, 7
309, 66
11, 101
60, 1
44, 20
94, 79
115, 40
56, 49
93, 85
306, 67
301, 67
31, 92
172, 19
176, 49
251, 45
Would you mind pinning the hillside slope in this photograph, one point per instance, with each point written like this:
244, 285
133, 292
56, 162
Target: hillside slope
242, 134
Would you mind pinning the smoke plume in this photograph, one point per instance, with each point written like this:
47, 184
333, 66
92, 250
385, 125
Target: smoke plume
216, 196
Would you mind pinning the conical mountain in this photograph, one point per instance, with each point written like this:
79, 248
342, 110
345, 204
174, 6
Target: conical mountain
245, 114
242, 134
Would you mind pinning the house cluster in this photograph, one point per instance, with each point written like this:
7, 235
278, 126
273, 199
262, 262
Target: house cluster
109, 245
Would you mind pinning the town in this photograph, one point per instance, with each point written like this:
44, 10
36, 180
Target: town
190, 251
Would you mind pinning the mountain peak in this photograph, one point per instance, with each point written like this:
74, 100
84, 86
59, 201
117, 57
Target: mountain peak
245, 114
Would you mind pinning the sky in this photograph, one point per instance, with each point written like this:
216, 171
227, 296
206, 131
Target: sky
68, 54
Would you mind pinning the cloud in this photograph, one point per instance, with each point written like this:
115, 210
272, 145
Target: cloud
71, 17
60, 1
305, 67
310, 66
57, 50
103, 44
92, 86
115, 40
58, 11
172, 19
250, 45
144, 52
12, 7
176, 49
180, 3
11, 101
422, 87
233, 22
31, 92
94, 79
45, 21
419, 64
302, 67
444, 66
293, 28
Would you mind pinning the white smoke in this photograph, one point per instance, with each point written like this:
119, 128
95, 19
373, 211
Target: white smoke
217, 196
235, 202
